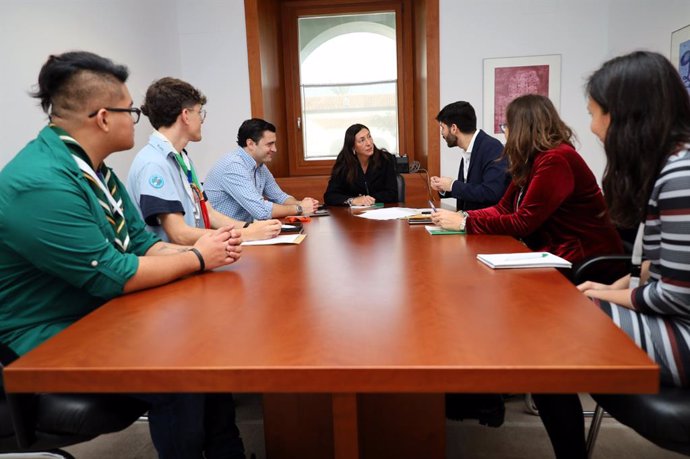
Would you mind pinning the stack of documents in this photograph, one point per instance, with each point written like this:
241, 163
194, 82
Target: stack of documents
282, 239
523, 260
388, 213
419, 219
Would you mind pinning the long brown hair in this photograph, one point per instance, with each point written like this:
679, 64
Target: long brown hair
533, 127
650, 120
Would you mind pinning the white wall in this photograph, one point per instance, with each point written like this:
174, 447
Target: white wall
201, 41
213, 46
130, 32
204, 42
584, 32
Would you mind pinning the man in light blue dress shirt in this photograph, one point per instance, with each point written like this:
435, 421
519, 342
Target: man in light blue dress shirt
240, 184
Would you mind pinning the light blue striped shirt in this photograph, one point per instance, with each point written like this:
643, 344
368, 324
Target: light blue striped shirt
240, 189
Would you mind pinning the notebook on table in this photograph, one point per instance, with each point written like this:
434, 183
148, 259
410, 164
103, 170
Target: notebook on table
523, 260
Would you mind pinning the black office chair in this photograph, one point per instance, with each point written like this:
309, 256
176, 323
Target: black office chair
401, 188
605, 269
662, 418
47, 422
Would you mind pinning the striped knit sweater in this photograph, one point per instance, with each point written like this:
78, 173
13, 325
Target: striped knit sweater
666, 242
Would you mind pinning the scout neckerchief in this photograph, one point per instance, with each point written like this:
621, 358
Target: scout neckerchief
187, 169
105, 187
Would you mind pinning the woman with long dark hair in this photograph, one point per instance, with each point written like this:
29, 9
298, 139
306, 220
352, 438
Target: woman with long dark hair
641, 112
553, 202
362, 174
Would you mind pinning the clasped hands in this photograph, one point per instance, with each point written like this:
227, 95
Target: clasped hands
220, 247
309, 205
365, 200
441, 183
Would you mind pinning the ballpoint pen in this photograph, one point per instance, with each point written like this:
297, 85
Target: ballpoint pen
525, 256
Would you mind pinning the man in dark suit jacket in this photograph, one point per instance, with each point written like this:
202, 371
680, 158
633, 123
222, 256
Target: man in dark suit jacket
483, 177
481, 182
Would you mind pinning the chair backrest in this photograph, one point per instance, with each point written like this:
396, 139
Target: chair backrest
31, 422
662, 418
401, 188
605, 269
8, 423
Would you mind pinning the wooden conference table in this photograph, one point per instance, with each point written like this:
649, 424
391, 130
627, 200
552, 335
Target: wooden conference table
352, 336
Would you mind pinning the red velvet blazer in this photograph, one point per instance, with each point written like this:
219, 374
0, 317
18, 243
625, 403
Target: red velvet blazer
562, 210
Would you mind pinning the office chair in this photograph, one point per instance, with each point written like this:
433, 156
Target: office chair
401, 187
47, 422
605, 269
663, 418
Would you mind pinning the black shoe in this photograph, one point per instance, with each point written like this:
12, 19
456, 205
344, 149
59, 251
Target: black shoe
488, 409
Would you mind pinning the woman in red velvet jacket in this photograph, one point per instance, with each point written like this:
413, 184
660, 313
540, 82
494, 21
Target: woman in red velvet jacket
553, 202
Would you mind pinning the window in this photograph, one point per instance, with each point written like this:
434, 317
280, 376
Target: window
343, 67
348, 73
275, 57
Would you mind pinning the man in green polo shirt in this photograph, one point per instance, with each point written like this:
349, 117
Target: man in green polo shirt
71, 239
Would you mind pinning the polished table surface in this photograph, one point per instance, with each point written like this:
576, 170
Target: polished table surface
360, 307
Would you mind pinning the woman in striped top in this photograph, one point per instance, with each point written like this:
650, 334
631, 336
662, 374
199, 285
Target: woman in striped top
641, 112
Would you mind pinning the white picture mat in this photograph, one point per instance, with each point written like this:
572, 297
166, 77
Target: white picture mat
553, 61
679, 38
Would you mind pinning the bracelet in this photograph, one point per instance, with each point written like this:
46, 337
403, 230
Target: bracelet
247, 224
202, 264
465, 216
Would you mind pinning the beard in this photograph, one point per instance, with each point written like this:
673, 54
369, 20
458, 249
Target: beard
451, 140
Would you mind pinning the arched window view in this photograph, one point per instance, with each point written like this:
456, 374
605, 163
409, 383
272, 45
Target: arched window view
348, 74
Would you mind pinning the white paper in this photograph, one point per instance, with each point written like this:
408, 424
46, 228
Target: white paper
282, 239
523, 260
389, 213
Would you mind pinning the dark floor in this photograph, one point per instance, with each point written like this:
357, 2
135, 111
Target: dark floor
522, 436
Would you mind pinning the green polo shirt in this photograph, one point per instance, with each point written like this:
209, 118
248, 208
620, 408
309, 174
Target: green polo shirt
57, 259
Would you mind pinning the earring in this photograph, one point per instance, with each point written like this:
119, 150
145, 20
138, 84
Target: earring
354, 152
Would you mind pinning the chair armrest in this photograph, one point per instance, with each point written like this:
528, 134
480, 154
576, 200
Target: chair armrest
595, 269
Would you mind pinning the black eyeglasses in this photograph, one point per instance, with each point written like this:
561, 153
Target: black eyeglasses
134, 112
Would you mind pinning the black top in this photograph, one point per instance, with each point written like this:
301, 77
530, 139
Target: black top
380, 183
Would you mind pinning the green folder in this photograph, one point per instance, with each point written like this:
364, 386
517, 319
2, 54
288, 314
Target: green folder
435, 232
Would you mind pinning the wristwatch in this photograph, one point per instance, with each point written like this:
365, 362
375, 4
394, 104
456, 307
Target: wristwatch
465, 216
348, 201
299, 209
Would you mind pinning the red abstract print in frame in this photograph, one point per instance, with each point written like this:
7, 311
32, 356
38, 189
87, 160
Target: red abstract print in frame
512, 82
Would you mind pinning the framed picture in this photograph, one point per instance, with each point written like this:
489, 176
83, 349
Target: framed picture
511, 77
680, 53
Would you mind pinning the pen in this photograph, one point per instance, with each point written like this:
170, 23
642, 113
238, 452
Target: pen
525, 256
433, 207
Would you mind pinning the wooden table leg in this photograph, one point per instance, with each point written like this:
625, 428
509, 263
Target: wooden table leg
345, 428
363, 426
298, 426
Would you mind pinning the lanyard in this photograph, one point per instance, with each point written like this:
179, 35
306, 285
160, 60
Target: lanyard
194, 189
